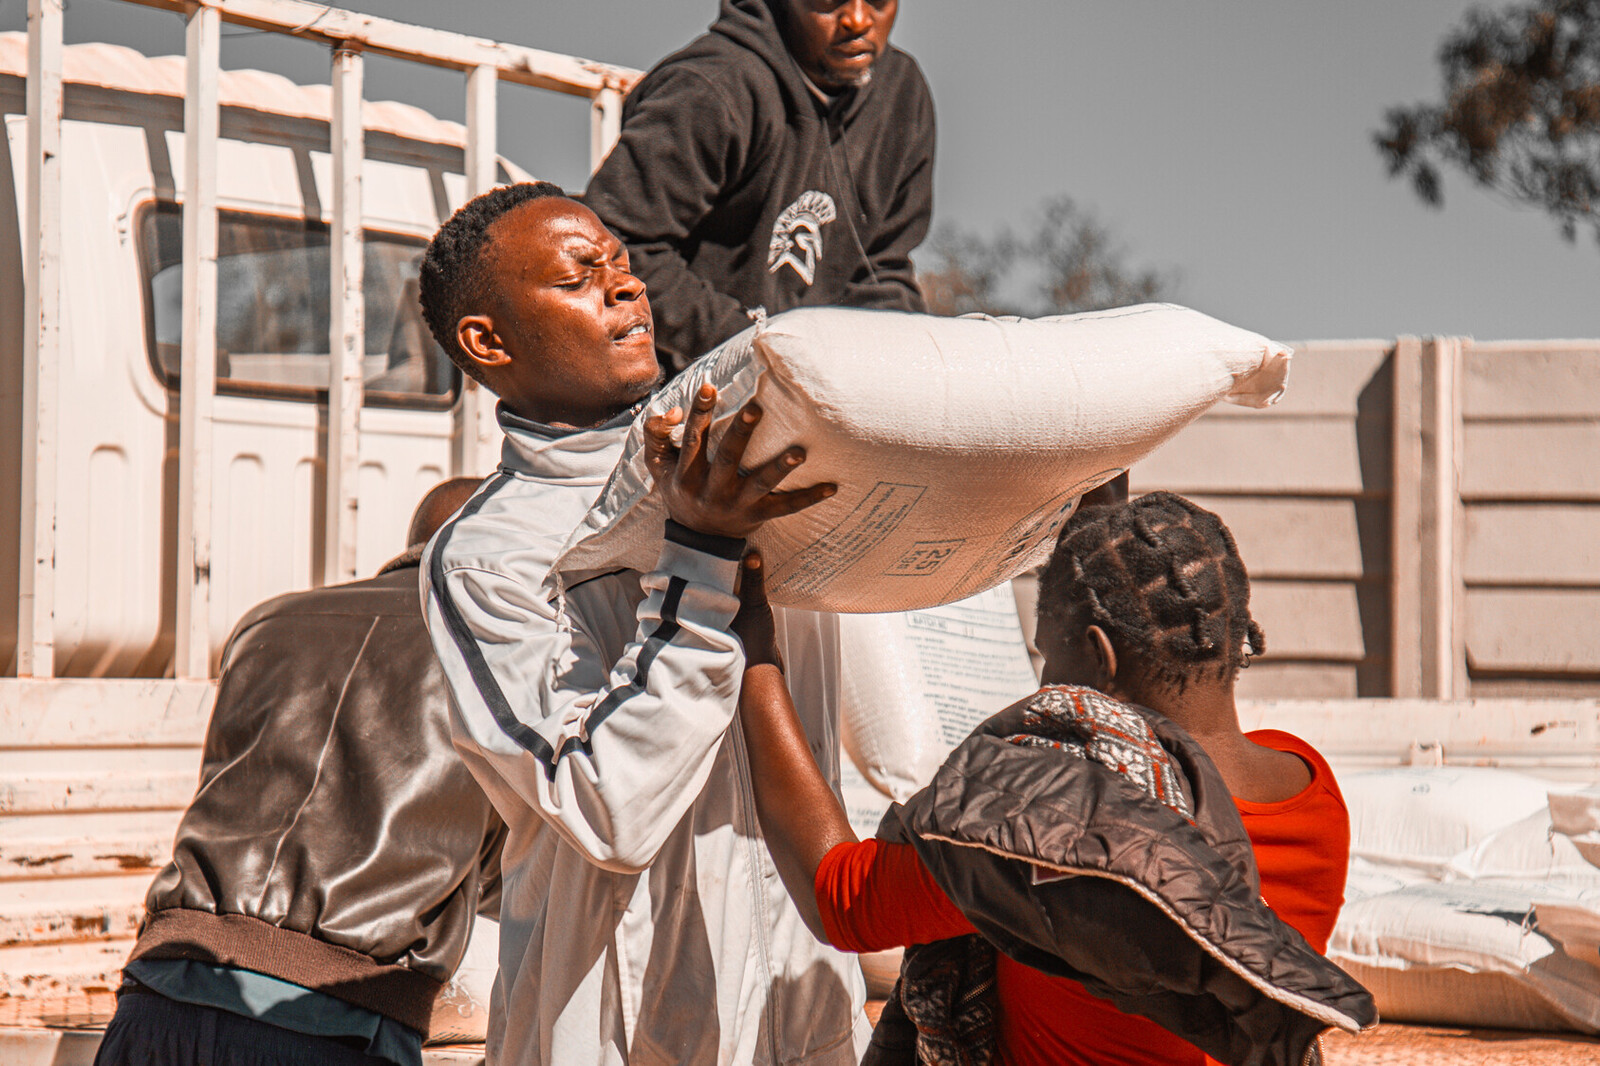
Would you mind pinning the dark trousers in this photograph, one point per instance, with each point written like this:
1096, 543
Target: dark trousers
152, 1030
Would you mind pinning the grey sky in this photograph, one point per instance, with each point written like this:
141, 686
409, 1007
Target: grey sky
1228, 139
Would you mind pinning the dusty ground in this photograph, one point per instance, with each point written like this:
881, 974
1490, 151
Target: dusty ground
1388, 1045
1418, 1045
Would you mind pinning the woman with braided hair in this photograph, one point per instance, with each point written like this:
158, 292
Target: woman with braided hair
1148, 603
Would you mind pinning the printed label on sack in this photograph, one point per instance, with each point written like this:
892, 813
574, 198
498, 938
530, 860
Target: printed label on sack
868, 525
1030, 533
971, 659
924, 558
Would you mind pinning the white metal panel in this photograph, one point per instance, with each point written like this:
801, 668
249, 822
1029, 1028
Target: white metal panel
1558, 738
396, 196
276, 440
82, 844
455, 189
57, 909
117, 67
91, 711
117, 415
403, 455
477, 434
197, 386
264, 451
66, 781
346, 322
605, 125
482, 129
250, 176
41, 235
266, 455
26, 969
108, 414
1444, 649
338, 28
112, 429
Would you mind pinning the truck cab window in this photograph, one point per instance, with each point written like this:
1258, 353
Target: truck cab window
272, 310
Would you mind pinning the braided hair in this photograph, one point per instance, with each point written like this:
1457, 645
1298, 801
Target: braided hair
1163, 578
452, 282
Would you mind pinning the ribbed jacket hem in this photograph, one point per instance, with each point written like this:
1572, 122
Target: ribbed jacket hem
252, 944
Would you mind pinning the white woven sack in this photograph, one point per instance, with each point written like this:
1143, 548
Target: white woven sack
1574, 924
959, 444
1529, 849
914, 685
1468, 953
864, 803
1576, 815
1422, 817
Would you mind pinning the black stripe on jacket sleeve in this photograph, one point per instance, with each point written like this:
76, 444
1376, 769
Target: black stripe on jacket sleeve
489, 688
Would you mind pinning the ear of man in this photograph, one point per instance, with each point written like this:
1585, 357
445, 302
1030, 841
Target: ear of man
478, 340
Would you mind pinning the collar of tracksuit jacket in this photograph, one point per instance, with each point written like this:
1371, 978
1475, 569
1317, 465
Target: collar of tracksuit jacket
574, 456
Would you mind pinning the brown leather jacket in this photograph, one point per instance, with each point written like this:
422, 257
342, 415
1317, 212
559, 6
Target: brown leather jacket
336, 840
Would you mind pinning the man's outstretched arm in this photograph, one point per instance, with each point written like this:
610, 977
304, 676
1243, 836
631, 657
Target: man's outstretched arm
800, 816
855, 895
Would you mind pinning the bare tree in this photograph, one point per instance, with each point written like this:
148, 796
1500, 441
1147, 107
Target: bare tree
1068, 262
1520, 114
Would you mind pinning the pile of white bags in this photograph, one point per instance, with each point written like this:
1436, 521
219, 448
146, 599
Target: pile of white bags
1422, 817
914, 685
959, 445
1467, 904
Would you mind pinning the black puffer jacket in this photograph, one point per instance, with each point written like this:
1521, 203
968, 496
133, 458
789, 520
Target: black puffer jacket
1159, 914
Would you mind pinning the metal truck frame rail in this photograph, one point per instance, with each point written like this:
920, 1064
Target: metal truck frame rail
350, 36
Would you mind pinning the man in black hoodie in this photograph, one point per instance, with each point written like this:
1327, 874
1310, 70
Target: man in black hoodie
785, 158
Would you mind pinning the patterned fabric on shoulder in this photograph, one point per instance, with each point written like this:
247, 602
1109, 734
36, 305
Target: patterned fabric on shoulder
1091, 725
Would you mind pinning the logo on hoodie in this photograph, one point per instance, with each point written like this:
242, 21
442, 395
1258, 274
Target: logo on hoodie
797, 235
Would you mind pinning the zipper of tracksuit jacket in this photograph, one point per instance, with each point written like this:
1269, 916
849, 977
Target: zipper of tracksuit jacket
756, 846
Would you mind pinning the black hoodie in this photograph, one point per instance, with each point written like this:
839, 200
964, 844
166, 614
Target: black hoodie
735, 186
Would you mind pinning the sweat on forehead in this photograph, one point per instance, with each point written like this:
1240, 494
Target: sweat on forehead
548, 227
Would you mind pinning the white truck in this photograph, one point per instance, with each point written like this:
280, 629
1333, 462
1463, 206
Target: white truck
210, 353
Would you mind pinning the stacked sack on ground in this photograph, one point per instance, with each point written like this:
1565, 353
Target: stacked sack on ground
1473, 897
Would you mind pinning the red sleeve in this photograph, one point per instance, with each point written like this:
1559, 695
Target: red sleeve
1302, 845
875, 895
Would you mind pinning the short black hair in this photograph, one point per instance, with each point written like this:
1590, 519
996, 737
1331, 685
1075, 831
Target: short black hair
452, 281
1162, 576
